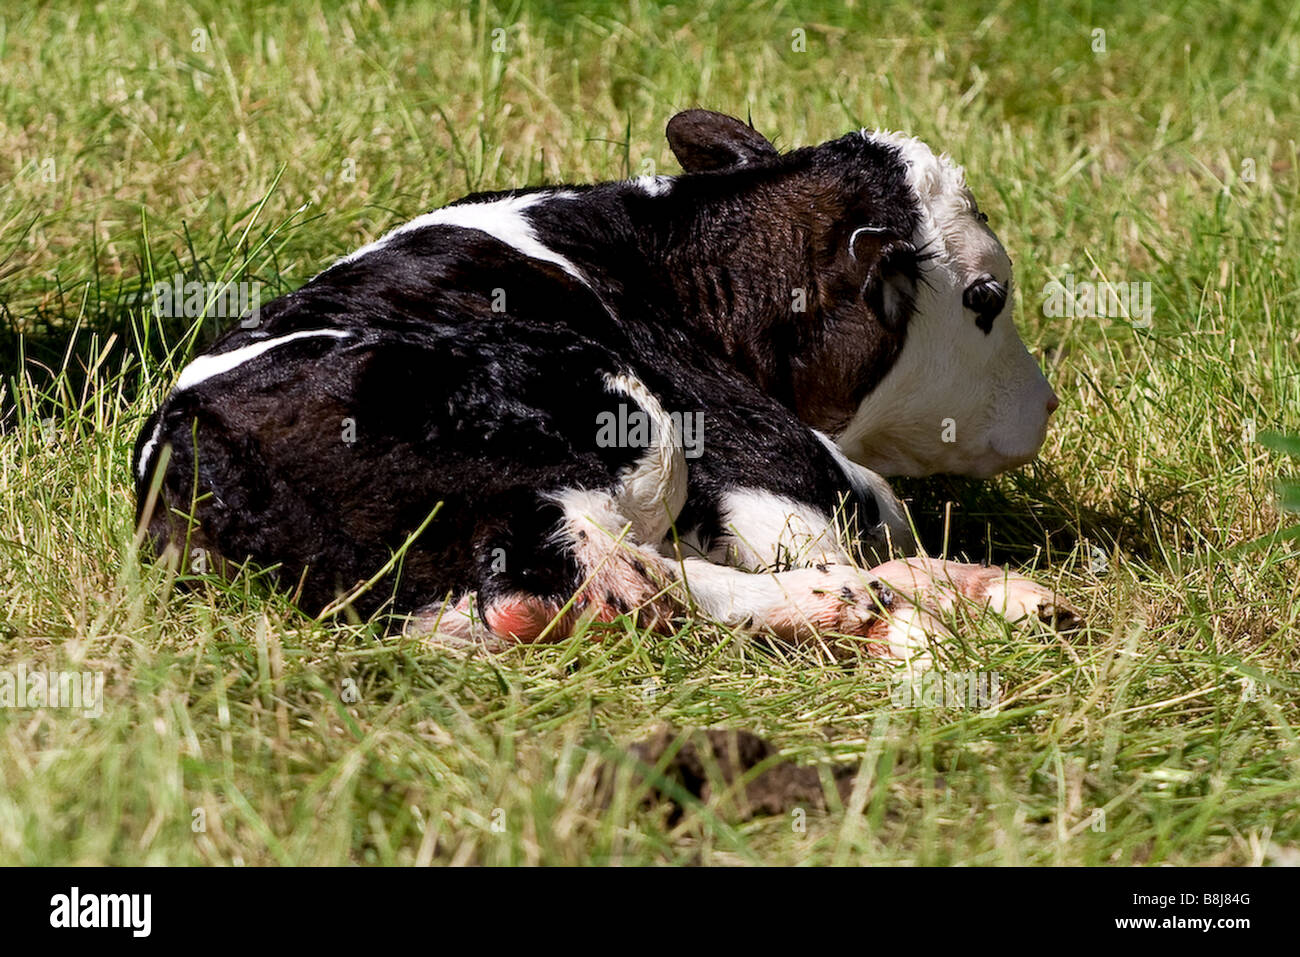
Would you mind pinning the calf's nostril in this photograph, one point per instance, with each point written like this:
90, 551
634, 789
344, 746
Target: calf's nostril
1053, 404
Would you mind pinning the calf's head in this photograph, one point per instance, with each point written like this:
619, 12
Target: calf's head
907, 353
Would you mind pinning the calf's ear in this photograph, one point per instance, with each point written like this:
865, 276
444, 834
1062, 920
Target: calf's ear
703, 140
892, 273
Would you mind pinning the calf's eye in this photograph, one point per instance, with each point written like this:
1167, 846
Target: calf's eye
985, 297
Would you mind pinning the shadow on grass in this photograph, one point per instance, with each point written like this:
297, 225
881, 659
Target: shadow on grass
64, 337
1031, 517
57, 330
56, 338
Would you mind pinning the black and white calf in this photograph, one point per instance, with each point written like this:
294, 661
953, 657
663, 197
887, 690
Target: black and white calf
650, 396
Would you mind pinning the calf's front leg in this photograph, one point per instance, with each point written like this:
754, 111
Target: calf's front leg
942, 585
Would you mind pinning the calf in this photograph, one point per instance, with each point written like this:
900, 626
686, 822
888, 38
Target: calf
652, 396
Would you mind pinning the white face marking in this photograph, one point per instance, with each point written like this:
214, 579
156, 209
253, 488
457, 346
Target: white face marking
502, 219
957, 399
654, 185
205, 367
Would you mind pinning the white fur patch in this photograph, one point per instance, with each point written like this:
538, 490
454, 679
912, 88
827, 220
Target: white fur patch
146, 453
932, 177
764, 530
653, 487
654, 185
868, 484
502, 219
732, 597
205, 367
803, 602
726, 595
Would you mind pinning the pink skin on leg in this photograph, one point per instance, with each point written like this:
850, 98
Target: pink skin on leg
891, 607
796, 606
942, 584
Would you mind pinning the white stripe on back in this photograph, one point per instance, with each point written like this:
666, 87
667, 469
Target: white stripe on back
654, 185
205, 367
146, 453
502, 219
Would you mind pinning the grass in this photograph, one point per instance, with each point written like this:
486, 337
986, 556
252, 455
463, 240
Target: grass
146, 139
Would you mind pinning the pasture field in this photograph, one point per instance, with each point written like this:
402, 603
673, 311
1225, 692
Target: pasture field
1150, 146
